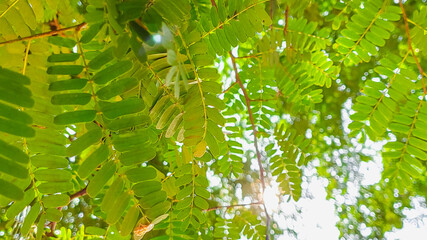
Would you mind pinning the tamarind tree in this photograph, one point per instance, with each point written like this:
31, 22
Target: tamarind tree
168, 119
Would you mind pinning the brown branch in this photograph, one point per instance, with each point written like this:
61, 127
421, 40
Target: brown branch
230, 87
214, 4
405, 18
285, 29
46, 34
78, 194
52, 225
271, 10
258, 154
233, 206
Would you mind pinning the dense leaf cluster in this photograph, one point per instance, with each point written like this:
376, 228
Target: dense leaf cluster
169, 119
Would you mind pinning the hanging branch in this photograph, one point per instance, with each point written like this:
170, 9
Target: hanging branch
46, 34
405, 18
254, 130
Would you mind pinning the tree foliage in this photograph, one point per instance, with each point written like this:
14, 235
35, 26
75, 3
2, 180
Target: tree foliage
140, 118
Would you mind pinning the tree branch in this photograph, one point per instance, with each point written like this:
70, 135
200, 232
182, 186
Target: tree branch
52, 225
285, 29
254, 130
46, 34
232, 206
78, 194
405, 18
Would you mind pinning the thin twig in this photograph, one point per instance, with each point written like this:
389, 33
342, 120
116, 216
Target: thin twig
254, 130
8, 8
214, 4
271, 12
46, 34
285, 29
233, 206
405, 18
27, 51
230, 87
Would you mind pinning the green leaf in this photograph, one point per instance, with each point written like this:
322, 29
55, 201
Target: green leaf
65, 70
18, 206
174, 126
186, 202
215, 116
13, 152
129, 221
95, 231
30, 218
184, 180
111, 72
55, 187
151, 199
112, 194
54, 201
128, 122
93, 161
17, 95
75, 117
63, 42
49, 161
418, 143
166, 116
89, 34
399, 128
137, 156
102, 59
158, 210
117, 88
416, 152
63, 57
141, 174
208, 73
119, 208
91, 137
10, 190
185, 192
202, 192
143, 188
71, 84
52, 175
200, 149
53, 214
14, 114
6, 75
12, 168
16, 128
71, 99
114, 110
201, 203
101, 178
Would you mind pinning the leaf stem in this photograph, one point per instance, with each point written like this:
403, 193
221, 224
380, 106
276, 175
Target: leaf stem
46, 34
405, 18
8, 8
258, 153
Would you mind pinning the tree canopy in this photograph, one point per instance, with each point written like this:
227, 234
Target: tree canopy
168, 119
